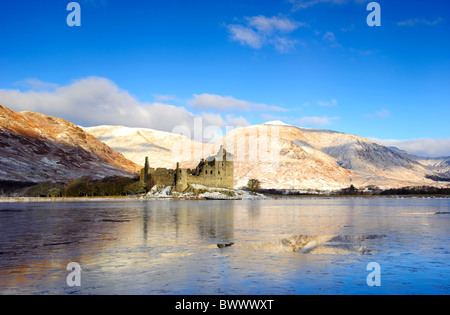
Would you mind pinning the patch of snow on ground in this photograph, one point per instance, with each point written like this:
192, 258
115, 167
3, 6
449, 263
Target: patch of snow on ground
196, 191
159, 191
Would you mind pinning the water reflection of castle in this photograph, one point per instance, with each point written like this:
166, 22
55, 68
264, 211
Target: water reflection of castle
187, 221
215, 171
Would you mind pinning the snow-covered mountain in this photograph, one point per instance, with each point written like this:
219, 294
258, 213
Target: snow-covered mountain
136, 144
35, 148
440, 166
281, 156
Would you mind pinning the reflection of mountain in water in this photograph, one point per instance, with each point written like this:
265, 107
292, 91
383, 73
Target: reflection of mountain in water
325, 244
170, 247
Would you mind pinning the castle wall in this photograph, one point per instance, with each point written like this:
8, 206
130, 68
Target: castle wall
161, 176
218, 172
214, 175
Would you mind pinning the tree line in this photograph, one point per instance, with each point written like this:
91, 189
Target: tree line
81, 187
411, 190
366, 191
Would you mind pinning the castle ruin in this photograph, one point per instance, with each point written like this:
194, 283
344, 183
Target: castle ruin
215, 171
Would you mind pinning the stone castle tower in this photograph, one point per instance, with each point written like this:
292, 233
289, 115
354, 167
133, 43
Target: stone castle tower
215, 171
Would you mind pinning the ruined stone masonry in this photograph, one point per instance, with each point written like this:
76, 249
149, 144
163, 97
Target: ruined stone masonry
215, 171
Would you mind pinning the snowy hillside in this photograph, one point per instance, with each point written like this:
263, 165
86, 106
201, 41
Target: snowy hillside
36, 148
281, 156
440, 166
136, 144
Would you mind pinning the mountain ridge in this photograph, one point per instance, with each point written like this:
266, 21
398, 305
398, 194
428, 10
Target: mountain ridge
307, 158
37, 147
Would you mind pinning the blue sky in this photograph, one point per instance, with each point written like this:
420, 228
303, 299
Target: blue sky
160, 64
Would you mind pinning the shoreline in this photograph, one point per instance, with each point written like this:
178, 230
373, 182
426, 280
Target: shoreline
143, 198
64, 199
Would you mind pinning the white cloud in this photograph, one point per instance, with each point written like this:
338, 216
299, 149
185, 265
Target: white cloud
208, 101
259, 31
317, 121
246, 36
227, 103
284, 44
36, 85
303, 4
237, 121
166, 98
417, 21
329, 36
214, 119
331, 103
97, 101
422, 146
383, 113
270, 25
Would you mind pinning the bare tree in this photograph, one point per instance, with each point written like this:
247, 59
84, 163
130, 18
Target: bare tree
254, 185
